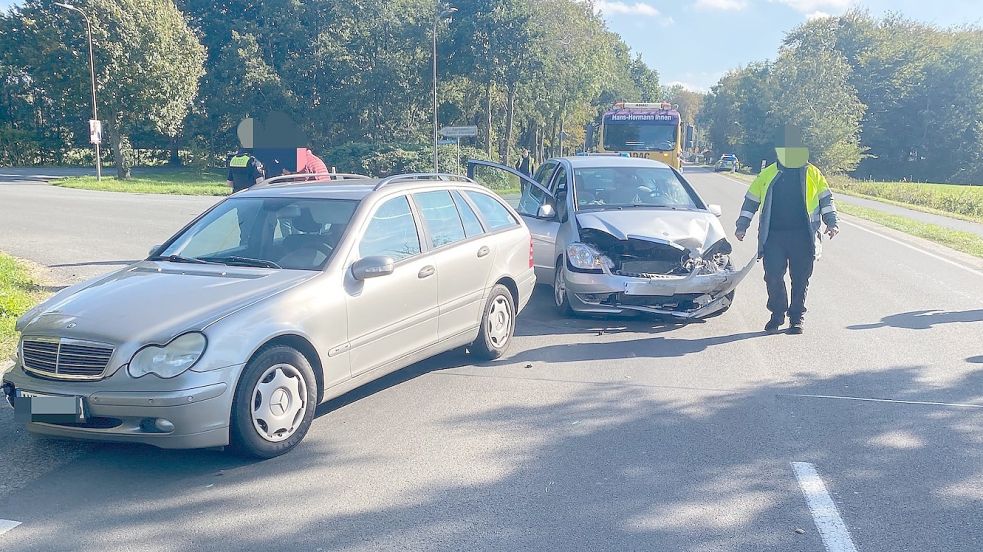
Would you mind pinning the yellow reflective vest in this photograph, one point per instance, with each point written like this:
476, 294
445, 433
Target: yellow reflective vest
818, 200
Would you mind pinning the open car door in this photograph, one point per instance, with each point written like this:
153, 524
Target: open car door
534, 202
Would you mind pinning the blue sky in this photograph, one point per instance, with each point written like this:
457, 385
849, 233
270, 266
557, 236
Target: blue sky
694, 42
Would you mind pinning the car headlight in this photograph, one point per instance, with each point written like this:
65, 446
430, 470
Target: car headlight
171, 360
583, 257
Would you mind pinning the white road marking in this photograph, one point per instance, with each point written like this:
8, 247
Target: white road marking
919, 249
831, 528
896, 401
7, 525
890, 239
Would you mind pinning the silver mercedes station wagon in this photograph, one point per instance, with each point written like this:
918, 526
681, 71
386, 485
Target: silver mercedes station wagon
275, 300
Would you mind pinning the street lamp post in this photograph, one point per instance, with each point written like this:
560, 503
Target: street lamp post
92, 73
439, 15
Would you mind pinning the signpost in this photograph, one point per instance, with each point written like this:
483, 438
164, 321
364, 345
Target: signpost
457, 133
95, 132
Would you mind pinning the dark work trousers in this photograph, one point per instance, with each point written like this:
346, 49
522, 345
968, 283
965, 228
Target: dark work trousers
793, 252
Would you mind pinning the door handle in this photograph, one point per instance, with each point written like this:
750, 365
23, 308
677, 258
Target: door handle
483, 251
426, 271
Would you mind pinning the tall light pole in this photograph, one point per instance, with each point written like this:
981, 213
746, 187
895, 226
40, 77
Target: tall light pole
92, 73
439, 15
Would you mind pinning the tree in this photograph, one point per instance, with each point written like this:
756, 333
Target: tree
148, 63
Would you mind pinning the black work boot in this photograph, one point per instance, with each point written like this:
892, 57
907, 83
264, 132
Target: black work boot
774, 324
795, 327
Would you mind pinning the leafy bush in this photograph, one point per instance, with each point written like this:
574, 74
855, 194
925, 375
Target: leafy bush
389, 159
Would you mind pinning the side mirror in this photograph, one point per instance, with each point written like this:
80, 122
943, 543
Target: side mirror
153, 250
546, 211
715, 209
373, 267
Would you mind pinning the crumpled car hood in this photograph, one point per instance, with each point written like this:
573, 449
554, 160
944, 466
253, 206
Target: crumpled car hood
151, 302
692, 230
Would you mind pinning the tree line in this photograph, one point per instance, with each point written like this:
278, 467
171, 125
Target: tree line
886, 98
355, 74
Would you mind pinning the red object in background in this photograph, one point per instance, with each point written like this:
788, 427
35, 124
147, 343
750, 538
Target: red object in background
309, 163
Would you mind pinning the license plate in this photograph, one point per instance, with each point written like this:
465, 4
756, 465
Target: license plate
54, 409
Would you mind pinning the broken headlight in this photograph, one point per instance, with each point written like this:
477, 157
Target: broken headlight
585, 258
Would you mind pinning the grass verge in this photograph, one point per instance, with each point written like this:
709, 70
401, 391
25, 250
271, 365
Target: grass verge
154, 181
19, 291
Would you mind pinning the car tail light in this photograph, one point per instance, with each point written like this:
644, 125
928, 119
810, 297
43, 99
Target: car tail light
530, 252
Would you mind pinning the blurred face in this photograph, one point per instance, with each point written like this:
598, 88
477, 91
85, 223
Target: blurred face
793, 158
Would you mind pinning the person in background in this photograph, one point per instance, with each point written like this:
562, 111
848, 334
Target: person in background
244, 170
795, 199
308, 163
525, 164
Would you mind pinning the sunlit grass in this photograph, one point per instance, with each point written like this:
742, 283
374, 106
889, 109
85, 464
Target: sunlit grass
18, 293
154, 181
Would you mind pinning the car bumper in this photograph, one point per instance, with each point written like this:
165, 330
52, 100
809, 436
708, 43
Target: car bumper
184, 417
685, 297
526, 285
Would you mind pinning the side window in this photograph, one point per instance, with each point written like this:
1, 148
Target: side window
544, 173
560, 192
530, 199
440, 216
391, 232
472, 226
494, 213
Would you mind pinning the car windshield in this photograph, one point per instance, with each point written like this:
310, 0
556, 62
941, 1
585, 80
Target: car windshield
637, 136
629, 187
288, 233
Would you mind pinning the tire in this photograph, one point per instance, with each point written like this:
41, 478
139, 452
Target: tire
560, 298
497, 325
277, 379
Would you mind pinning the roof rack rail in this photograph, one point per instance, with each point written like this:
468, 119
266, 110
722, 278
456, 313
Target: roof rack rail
319, 177
421, 176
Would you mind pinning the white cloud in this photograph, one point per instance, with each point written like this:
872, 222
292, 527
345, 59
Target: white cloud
720, 5
818, 14
624, 8
813, 6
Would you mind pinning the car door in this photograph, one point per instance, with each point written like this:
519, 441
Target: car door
462, 254
543, 225
392, 316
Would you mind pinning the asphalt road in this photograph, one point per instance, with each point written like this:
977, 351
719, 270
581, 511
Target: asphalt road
593, 434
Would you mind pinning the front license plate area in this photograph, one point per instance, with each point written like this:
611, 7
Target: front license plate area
51, 409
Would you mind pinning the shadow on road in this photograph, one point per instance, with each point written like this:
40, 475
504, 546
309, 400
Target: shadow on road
923, 319
603, 467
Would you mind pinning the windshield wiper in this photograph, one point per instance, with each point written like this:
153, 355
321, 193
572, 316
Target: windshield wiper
244, 261
179, 259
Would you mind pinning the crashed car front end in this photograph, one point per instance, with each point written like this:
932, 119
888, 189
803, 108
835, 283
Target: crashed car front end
608, 274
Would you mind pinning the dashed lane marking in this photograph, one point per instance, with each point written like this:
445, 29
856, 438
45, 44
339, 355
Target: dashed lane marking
831, 528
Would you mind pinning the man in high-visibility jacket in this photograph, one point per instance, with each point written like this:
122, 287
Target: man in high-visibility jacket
795, 199
244, 170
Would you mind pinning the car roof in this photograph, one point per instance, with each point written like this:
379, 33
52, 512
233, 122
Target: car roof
355, 190
597, 161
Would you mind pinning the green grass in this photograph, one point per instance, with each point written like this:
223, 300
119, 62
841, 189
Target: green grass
960, 241
18, 293
964, 202
155, 181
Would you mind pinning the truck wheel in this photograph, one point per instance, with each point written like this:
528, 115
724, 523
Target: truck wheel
274, 403
497, 325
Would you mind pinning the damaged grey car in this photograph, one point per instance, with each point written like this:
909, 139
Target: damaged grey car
620, 235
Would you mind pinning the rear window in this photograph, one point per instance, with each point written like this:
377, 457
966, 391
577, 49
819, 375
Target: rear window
440, 216
495, 214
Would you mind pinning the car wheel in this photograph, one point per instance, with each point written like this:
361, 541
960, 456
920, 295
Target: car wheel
497, 325
274, 403
560, 298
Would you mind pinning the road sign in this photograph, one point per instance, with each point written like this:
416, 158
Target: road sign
459, 132
95, 131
